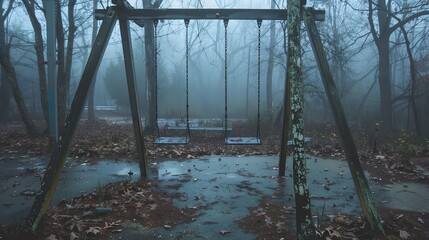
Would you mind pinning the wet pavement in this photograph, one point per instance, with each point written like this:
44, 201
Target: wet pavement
20, 177
224, 188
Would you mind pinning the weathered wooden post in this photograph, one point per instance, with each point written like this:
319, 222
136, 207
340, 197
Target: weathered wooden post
132, 93
59, 154
360, 181
304, 225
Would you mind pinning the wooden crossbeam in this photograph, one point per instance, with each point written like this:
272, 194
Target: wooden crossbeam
205, 14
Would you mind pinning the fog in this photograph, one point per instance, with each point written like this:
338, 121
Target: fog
351, 51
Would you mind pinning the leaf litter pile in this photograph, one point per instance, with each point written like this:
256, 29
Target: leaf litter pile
274, 221
103, 212
96, 215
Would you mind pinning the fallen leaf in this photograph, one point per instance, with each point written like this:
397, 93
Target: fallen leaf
400, 216
117, 231
128, 193
73, 236
87, 213
28, 193
93, 230
51, 237
223, 232
403, 234
75, 226
420, 220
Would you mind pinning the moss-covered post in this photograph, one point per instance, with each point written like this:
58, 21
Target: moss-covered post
358, 175
304, 225
59, 154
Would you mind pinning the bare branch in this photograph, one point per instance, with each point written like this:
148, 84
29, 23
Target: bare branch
407, 20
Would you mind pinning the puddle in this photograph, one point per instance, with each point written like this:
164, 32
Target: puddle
226, 187
18, 177
223, 187
405, 196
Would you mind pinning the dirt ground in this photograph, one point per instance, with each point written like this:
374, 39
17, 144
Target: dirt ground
83, 218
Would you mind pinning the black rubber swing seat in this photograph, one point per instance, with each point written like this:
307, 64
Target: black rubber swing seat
243, 141
172, 140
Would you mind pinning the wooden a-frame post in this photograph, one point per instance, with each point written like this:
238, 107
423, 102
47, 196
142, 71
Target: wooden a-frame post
59, 154
358, 175
132, 93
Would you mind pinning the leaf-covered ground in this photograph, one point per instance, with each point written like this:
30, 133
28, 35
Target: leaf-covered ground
83, 218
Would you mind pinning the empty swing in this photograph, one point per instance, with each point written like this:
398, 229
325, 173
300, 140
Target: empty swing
243, 140
171, 140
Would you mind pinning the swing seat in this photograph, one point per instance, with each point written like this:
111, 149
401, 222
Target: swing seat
172, 140
243, 141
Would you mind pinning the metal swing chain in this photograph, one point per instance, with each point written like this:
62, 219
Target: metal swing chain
225, 23
258, 131
155, 36
187, 78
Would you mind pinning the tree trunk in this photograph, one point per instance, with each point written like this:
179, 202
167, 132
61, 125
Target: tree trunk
5, 93
70, 46
65, 59
38, 46
304, 222
381, 38
150, 76
61, 80
271, 67
286, 127
385, 85
11, 76
285, 114
91, 110
412, 97
5, 88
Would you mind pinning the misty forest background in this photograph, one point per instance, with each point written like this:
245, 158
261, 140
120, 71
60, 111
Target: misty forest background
378, 52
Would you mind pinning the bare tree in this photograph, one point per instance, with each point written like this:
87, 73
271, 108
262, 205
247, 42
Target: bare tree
19, 99
91, 110
65, 56
30, 6
412, 97
271, 66
5, 88
385, 10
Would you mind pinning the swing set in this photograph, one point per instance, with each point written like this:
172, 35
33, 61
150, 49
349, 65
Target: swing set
123, 12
